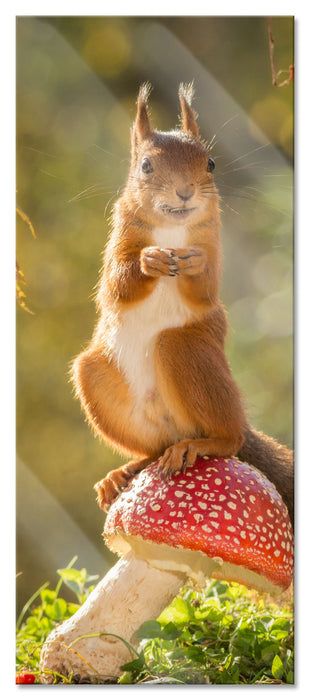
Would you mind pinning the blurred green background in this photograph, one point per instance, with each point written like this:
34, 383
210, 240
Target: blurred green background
77, 81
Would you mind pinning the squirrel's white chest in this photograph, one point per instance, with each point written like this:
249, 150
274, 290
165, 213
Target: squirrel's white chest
138, 328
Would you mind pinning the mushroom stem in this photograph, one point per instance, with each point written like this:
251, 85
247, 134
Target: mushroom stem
132, 592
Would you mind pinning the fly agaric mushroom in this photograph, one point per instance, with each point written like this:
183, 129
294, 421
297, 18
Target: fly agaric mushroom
221, 519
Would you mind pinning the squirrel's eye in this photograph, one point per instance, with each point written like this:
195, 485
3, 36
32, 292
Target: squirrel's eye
146, 166
211, 165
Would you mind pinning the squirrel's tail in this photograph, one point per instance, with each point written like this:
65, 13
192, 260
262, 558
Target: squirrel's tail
274, 460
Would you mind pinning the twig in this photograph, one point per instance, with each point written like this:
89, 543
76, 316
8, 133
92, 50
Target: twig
273, 70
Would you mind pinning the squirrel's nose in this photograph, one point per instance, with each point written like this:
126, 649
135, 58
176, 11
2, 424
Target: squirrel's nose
186, 193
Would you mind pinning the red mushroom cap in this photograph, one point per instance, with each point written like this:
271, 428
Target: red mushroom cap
222, 518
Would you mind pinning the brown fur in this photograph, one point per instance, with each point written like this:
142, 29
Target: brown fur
194, 405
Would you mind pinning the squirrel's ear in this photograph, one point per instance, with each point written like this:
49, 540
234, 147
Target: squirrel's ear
141, 127
188, 116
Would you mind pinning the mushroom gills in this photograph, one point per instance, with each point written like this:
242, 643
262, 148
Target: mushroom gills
195, 564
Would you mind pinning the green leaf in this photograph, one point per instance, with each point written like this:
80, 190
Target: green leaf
268, 651
280, 623
279, 634
210, 610
178, 612
72, 575
277, 667
177, 653
126, 678
261, 627
149, 630
48, 596
194, 653
57, 610
170, 631
72, 608
60, 607
75, 587
137, 665
217, 588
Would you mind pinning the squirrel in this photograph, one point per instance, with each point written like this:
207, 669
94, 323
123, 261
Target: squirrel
154, 381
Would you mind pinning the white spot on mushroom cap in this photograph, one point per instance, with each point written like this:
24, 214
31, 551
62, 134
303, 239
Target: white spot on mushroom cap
155, 506
198, 517
202, 505
231, 505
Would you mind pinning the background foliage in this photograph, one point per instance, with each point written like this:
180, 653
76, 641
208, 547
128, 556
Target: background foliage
77, 80
223, 634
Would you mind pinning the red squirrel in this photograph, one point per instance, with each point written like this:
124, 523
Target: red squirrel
154, 381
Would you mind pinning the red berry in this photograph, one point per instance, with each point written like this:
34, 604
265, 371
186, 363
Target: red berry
25, 678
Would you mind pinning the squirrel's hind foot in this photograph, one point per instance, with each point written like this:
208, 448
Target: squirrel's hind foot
183, 455
178, 457
116, 481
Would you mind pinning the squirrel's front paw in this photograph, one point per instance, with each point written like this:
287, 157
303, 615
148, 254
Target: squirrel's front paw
190, 261
110, 487
155, 261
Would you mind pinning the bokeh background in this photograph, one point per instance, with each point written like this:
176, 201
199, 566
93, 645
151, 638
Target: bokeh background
77, 81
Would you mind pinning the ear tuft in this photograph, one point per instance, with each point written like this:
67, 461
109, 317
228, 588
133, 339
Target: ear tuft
144, 92
187, 91
188, 115
142, 125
